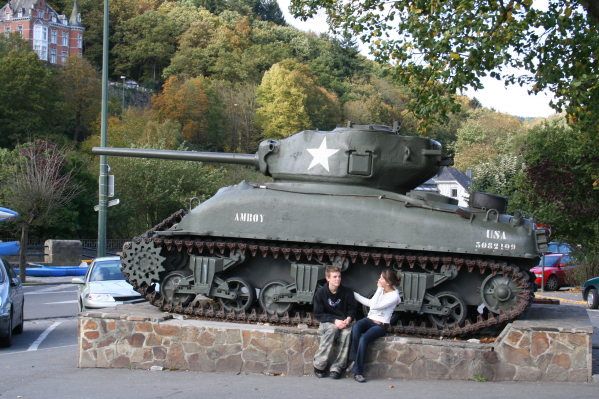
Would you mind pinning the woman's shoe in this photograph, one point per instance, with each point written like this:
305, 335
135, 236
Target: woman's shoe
359, 378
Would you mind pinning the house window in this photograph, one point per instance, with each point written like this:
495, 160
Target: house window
53, 56
80, 40
65, 39
20, 13
53, 18
6, 31
40, 13
53, 36
454, 192
63, 57
20, 30
7, 17
40, 41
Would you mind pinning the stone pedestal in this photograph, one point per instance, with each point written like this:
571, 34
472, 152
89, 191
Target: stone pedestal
551, 343
63, 252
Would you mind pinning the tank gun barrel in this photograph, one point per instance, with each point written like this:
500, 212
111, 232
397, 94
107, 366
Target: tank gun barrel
232, 158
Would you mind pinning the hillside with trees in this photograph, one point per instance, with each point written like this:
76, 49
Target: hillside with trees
222, 75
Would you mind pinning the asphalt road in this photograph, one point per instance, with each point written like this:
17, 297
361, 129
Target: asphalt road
42, 364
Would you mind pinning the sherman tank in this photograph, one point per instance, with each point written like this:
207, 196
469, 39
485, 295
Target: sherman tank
256, 252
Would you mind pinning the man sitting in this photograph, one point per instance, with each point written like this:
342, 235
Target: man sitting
334, 308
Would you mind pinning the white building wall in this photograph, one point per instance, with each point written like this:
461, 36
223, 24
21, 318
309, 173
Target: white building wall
446, 188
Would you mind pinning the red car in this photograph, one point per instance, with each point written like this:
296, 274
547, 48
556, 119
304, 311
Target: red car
556, 267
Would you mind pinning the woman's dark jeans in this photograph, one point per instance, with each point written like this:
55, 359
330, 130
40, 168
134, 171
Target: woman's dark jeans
362, 333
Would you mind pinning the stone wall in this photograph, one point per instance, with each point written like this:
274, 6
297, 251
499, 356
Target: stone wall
140, 336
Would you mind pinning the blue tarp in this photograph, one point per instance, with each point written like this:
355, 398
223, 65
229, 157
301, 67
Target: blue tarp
6, 214
9, 248
55, 271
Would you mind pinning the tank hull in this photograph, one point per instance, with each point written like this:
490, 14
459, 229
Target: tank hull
356, 217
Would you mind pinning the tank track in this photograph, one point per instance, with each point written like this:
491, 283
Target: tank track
139, 279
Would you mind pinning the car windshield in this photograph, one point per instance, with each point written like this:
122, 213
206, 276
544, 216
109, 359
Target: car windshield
549, 261
109, 270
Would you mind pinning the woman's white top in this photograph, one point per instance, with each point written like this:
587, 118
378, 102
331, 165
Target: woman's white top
381, 304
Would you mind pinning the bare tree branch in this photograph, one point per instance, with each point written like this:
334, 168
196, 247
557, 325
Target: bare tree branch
39, 184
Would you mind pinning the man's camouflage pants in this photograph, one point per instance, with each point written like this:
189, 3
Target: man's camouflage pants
334, 347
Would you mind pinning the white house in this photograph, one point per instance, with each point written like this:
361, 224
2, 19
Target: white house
451, 183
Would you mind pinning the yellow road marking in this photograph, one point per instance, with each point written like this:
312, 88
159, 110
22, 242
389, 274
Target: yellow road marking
560, 299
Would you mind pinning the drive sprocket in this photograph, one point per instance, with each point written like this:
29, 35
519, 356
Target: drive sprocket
142, 262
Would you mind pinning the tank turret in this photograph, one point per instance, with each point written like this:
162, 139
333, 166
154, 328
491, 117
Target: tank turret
346, 198
369, 155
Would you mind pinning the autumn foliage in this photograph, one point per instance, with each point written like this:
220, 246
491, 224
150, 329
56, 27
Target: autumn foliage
186, 102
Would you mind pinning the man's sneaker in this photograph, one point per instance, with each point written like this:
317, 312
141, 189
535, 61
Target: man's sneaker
335, 375
359, 378
320, 373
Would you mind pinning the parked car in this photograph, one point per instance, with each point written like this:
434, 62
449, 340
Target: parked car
556, 267
104, 285
12, 302
556, 247
590, 292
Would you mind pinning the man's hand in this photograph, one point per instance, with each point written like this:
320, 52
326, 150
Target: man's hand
341, 324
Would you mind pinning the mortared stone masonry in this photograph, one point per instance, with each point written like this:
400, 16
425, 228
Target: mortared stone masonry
550, 343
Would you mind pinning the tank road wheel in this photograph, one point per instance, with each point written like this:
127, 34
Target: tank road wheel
170, 283
457, 312
499, 293
246, 295
269, 297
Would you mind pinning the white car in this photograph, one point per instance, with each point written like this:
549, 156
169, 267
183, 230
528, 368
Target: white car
104, 285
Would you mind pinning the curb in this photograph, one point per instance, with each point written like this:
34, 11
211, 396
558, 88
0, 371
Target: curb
546, 301
558, 299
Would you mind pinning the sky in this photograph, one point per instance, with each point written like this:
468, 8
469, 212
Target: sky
513, 100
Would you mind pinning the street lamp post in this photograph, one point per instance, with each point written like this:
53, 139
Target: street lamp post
123, 90
103, 181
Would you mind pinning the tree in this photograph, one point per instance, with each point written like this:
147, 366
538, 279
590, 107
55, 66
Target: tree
268, 10
186, 102
375, 101
438, 48
484, 135
145, 45
290, 100
28, 97
138, 127
557, 184
81, 91
36, 186
498, 175
238, 108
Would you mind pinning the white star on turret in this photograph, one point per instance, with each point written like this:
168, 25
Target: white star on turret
321, 155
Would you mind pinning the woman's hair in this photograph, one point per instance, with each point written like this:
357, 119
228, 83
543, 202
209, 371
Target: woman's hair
391, 277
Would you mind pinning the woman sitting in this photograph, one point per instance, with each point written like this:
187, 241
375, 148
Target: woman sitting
382, 304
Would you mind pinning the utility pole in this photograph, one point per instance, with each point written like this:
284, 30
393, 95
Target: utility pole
103, 183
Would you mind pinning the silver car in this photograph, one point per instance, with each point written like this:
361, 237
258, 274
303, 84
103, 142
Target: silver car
104, 285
